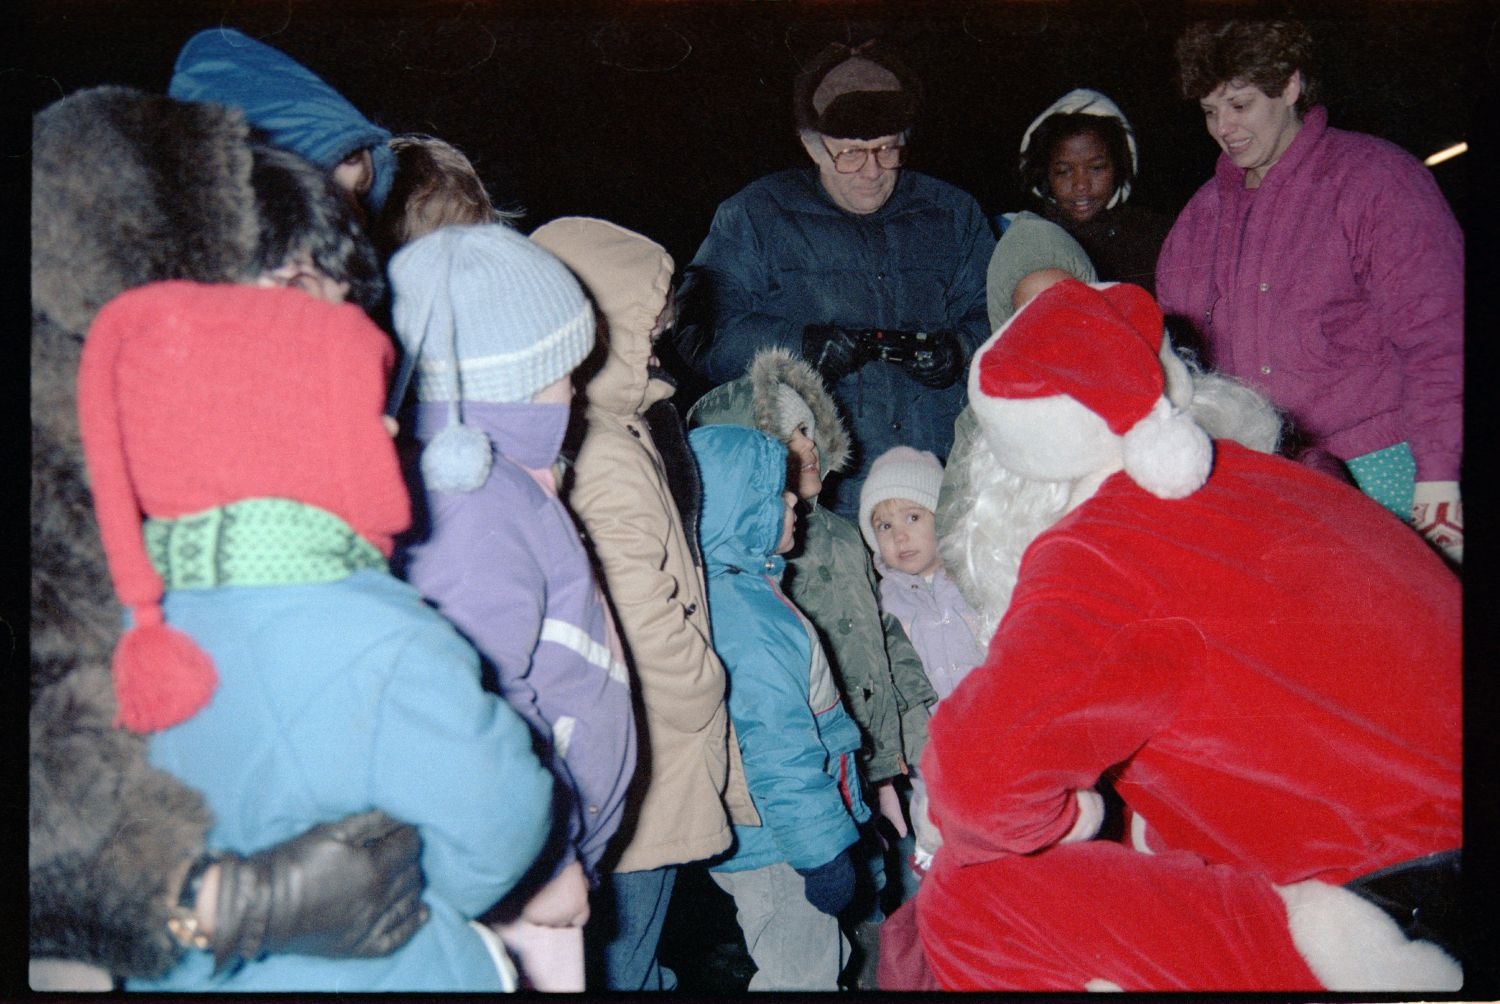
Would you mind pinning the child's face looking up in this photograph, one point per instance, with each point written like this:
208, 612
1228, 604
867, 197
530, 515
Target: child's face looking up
907, 536
802, 458
788, 523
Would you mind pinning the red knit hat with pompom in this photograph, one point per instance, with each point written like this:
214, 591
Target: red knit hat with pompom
194, 396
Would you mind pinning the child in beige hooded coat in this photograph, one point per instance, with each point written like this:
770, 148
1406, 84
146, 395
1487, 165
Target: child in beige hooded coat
634, 486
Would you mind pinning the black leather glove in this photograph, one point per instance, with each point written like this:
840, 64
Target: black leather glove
350, 889
830, 886
939, 364
834, 352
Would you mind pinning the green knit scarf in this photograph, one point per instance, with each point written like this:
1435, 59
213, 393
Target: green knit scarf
256, 542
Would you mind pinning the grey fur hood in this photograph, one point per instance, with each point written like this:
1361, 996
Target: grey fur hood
115, 174
752, 401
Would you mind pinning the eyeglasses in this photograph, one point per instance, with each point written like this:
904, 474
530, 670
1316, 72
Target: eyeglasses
887, 158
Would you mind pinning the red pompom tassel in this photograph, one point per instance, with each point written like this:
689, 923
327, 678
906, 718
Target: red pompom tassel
161, 678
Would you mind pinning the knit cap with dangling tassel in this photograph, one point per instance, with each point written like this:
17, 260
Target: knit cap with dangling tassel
161, 676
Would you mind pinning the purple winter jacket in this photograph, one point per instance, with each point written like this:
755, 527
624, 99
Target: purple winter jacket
1336, 289
505, 565
943, 628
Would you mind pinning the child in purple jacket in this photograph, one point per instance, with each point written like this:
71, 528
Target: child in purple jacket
896, 505
493, 326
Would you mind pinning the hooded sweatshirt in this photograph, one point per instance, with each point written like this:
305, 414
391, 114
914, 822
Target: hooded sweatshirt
829, 576
1122, 240
796, 738
630, 475
293, 105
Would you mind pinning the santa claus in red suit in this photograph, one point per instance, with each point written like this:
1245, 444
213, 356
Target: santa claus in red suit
1264, 663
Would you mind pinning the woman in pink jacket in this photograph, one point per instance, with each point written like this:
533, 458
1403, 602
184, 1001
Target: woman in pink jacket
1325, 269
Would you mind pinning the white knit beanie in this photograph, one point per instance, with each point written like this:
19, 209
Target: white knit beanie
483, 314
899, 473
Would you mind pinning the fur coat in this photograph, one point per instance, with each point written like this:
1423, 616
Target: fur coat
114, 171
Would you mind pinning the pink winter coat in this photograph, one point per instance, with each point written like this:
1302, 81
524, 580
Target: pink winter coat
1335, 289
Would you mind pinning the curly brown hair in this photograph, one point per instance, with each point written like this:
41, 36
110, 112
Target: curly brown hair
1263, 53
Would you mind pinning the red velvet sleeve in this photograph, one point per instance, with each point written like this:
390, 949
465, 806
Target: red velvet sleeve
1078, 678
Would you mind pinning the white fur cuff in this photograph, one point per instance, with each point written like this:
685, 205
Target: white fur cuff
1351, 944
1090, 816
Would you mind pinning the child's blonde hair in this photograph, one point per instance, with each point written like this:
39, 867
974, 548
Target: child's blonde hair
435, 186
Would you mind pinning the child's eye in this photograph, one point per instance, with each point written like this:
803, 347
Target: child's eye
911, 517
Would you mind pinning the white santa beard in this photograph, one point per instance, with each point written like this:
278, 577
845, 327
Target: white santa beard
983, 551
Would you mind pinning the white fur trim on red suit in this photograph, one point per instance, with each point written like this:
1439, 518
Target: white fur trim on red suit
1351, 944
1090, 816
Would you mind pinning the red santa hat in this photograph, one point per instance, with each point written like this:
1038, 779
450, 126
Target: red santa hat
1073, 385
195, 396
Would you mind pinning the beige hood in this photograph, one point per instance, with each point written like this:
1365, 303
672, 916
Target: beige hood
629, 278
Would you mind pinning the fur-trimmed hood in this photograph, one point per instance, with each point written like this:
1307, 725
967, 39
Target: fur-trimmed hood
752, 401
115, 172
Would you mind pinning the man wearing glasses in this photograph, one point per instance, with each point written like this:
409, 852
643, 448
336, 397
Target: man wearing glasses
874, 274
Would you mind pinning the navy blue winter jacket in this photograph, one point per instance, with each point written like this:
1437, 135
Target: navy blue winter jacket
781, 255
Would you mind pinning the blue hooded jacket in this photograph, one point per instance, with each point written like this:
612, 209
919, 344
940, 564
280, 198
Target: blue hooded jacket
795, 737
283, 98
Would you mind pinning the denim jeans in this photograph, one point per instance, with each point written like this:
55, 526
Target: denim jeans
624, 931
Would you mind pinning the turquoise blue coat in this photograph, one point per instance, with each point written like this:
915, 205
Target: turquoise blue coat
335, 698
796, 739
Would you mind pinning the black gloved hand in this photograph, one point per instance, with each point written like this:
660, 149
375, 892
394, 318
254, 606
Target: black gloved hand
350, 889
830, 886
939, 364
834, 352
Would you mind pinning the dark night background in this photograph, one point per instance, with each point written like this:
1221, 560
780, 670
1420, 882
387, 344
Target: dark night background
649, 112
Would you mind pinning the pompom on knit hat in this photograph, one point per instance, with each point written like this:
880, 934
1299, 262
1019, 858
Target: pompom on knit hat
483, 315
863, 92
899, 473
192, 397
1074, 381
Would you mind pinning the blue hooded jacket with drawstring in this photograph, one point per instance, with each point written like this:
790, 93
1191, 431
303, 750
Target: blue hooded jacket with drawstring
796, 739
295, 107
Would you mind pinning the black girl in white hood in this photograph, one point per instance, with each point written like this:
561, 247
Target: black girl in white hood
1078, 161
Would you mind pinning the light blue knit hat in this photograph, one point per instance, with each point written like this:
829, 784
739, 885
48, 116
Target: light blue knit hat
482, 314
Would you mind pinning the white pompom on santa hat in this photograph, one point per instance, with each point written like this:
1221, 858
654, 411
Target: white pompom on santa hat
1073, 386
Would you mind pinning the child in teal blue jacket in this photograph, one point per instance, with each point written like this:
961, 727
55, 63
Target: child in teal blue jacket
279, 667
791, 875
